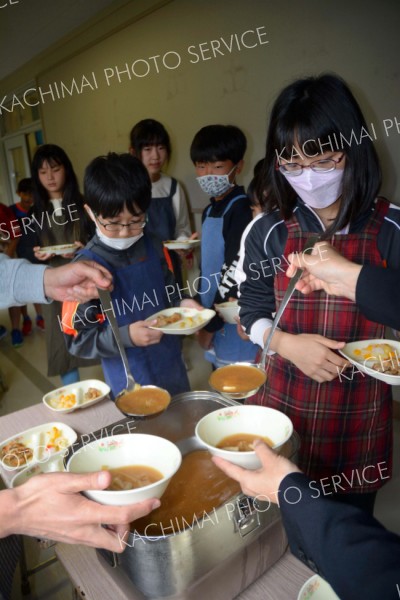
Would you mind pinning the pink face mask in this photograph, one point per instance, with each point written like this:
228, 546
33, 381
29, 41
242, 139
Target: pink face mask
318, 190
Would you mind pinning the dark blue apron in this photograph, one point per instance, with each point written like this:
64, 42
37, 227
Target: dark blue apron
161, 222
139, 292
228, 347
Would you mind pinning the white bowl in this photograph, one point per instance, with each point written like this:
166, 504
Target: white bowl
258, 420
79, 390
317, 588
125, 450
228, 311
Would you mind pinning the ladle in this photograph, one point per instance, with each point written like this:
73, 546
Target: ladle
261, 363
288, 294
131, 384
108, 309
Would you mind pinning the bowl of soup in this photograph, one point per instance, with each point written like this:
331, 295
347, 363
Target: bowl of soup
237, 381
143, 401
231, 431
141, 466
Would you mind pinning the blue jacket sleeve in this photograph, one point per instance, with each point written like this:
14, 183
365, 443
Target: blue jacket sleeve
349, 548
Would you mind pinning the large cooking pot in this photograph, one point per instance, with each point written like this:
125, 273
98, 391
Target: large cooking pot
188, 556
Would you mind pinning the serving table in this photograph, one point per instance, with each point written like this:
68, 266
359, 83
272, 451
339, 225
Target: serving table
94, 579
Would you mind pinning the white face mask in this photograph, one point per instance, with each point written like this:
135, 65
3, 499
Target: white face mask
216, 185
318, 190
118, 243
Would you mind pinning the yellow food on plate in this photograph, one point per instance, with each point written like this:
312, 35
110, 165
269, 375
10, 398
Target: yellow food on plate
386, 357
55, 441
376, 351
63, 401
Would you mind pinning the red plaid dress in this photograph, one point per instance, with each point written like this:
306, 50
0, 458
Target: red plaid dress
345, 425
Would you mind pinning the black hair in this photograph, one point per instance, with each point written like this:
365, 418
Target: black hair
311, 116
75, 228
218, 142
253, 185
149, 132
114, 182
25, 186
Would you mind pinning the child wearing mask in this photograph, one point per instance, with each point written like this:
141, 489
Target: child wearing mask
118, 194
217, 153
314, 182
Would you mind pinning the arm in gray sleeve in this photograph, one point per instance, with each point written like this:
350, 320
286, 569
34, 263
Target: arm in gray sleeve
20, 282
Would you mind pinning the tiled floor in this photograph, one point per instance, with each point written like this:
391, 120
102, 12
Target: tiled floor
24, 370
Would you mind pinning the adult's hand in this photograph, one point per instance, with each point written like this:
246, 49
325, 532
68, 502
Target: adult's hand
76, 281
50, 506
264, 481
325, 269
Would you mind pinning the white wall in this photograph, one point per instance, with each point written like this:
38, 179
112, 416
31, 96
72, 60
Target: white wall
358, 40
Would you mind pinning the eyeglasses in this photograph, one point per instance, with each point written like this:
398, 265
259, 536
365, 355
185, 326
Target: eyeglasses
319, 166
120, 226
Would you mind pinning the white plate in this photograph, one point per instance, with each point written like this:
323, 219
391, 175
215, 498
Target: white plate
53, 465
193, 320
228, 311
37, 438
60, 249
181, 244
78, 389
365, 365
317, 588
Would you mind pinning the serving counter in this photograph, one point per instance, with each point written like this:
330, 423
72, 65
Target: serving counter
94, 579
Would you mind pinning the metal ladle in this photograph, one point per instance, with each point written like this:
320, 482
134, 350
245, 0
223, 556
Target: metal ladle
261, 363
131, 384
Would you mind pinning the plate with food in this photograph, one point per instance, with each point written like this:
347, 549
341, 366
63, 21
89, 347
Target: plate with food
52, 465
181, 320
59, 249
181, 244
36, 445
378, 358
76, 395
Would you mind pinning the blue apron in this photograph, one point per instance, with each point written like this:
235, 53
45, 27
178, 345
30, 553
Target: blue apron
139, 292
161, 222
228, 347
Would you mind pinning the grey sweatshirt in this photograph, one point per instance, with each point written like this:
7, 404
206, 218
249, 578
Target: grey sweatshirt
20, 282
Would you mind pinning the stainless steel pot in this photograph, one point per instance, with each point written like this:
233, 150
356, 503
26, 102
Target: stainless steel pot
176, 563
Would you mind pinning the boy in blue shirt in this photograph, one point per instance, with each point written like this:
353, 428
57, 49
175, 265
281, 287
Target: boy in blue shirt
217, 153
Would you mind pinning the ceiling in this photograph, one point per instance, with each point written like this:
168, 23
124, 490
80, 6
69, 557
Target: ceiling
28, 27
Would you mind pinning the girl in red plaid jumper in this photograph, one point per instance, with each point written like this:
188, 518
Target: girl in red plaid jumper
321, 176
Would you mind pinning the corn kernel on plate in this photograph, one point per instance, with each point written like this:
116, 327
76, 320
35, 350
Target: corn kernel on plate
378, 358
36, 445
76, 395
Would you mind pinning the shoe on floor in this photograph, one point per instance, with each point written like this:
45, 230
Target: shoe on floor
26, 326
16, 338
3, 332
40, 322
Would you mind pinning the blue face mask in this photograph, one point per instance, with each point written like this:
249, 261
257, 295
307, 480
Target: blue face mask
216, 185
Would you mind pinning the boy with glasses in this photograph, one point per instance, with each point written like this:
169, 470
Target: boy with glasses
118, 194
